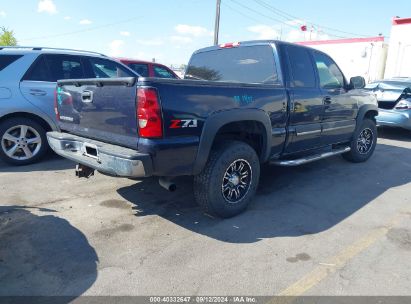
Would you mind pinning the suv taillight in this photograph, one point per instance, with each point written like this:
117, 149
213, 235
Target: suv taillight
150, 122
56, 109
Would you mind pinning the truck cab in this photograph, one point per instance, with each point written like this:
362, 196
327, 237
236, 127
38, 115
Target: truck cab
240, 105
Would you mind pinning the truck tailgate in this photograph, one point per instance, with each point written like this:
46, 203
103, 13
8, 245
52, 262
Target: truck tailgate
102, 109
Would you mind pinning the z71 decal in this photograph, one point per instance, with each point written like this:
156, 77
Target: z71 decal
183, 123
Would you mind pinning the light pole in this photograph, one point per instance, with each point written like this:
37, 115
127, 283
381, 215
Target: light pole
217, 22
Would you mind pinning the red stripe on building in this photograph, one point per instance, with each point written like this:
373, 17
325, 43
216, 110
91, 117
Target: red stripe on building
339, 41
400, 21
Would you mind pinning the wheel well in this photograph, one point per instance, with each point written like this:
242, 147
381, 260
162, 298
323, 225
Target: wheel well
34, 117
371, 114
250, 132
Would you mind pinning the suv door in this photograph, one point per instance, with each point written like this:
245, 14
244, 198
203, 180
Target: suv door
306, 105
39, 82
340, 108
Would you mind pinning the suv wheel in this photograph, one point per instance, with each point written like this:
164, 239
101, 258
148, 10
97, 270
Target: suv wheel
229, 180
363, 143
23, 141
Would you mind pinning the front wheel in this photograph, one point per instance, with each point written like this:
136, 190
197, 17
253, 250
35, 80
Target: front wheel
229, 180
363, 142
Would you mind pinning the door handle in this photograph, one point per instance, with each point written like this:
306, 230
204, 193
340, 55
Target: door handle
327, 100
36, 92
87, 96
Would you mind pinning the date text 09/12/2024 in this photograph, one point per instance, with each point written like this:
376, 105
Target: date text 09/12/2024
203, 299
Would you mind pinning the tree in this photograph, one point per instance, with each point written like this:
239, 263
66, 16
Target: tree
7, 37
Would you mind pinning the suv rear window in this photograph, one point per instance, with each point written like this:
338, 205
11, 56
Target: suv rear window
6, 60
52, 67
65, 67
242, 64
38, 71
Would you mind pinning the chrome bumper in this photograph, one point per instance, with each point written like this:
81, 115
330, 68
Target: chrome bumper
105, 158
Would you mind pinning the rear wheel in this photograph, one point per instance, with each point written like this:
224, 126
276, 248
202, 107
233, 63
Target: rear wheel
363, 142
229, 180
23, 141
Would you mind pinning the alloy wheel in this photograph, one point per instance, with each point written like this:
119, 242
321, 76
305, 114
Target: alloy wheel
21, 142
236, 181
365, 141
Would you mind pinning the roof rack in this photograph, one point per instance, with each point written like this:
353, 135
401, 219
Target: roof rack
37, 48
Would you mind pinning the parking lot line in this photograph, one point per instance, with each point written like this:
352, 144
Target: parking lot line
340, 260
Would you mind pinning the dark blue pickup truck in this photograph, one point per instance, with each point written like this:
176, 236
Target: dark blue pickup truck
239, 106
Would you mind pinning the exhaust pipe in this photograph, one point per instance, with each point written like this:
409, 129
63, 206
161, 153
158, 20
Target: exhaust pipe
167, 184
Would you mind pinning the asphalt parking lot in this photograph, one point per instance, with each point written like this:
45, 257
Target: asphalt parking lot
326, 228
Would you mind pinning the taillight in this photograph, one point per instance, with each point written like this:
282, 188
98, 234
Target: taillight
229, 45
56, 109
403, 105
150, 123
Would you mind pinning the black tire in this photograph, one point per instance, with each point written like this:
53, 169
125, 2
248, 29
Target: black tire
20, 158
362, 147
226, 160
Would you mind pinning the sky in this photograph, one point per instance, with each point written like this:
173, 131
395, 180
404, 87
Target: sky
170, 30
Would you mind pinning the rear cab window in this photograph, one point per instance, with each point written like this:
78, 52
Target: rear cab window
246, 64
6, 60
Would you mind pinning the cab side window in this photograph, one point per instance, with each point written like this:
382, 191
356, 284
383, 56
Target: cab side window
302, 70
328, 72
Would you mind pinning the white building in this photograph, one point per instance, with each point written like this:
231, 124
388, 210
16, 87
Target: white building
364, 57
399, 54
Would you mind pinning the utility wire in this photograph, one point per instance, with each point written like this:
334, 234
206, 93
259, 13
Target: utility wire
277, 11
261, 14
239, 12
81, 31
286, 15
277, 20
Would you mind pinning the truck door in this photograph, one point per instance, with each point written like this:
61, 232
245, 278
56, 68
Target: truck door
340, 108
306, 105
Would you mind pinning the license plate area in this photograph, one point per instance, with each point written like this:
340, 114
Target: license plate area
90, 150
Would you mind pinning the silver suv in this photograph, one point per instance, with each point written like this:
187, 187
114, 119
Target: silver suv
28, 77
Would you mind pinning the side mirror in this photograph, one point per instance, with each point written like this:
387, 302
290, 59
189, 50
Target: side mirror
357, 82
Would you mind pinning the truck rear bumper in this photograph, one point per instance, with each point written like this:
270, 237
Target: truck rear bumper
105, 158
